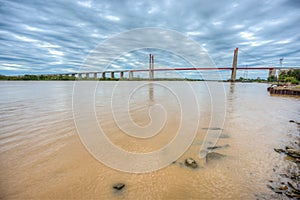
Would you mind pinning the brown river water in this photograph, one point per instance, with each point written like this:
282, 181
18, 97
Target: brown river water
42, 156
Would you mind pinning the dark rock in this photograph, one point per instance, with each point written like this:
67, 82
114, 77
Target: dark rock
293, 121
289, 147
283, 187
213, 156
174, 162
293, 152
292, 186
276, 190
292, 194
119, 186
296, 191
190, 162
212, 128
279, 150
296, 160
217, 147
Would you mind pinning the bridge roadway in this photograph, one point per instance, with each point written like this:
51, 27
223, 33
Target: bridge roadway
272, 71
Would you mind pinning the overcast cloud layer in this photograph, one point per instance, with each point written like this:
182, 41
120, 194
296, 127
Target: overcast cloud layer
41, 37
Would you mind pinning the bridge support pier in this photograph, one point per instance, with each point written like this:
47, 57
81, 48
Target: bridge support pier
272, 73
87, 75
80, 75
112, 75
95, 75
103, 75
130, 75
234, 65
121, 75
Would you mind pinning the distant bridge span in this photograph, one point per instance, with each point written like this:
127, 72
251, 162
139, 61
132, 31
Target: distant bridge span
186, 69
151, 70
201, 68
272, 71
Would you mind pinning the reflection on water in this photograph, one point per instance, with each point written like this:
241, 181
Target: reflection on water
232, 86
42, 156
151, 97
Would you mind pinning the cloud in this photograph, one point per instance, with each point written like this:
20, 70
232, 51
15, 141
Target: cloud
87, 4
112, 18
53, 36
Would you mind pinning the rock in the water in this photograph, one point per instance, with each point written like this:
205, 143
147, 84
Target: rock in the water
279, 150
292, 186
293, 152
213, 156
293, 121
289, 147
275, 189
211, 148
119, 186
212, 128
283, 187
292, 194
190, 162
217, 147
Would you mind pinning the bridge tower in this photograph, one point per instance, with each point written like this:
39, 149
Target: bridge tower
234, 65
151, 67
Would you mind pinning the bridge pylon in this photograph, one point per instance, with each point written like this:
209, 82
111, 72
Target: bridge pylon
234, 65
151, 67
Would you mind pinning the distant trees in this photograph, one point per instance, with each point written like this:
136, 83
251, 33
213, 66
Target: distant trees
290, 76
27, 77
272, 79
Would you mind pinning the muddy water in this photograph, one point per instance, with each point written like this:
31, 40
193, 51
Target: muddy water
42, 157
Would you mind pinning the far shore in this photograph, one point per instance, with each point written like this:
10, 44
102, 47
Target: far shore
73, 78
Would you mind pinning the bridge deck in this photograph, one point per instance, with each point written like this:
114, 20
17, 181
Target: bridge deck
178, 69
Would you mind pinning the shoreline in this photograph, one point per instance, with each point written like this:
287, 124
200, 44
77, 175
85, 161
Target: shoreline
284, 90
288, 179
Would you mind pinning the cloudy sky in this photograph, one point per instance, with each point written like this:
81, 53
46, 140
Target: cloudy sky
39, 37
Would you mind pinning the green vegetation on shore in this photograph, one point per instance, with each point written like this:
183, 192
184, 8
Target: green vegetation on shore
249, 80
37, 78
290, 76
50, 78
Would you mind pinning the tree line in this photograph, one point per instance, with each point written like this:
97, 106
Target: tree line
38, 77
289, 76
